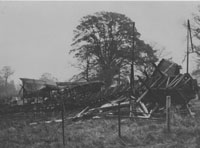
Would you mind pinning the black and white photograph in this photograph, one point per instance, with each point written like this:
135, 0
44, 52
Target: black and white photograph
99, 74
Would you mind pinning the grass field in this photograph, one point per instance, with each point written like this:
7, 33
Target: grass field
101, 133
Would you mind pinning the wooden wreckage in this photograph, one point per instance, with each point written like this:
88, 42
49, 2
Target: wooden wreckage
45, 96
149, 98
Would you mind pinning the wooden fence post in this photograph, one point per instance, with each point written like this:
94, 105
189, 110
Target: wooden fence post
63, 121
119, 120
168, 113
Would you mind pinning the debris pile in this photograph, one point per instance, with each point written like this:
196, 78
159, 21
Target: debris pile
166, 80
149, 98
93, 94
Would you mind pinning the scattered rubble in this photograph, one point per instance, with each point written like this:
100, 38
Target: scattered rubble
150, 93
147, 100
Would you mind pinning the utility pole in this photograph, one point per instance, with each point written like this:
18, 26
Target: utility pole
132, 92
132, 61
187, 66
87, 70
189, 38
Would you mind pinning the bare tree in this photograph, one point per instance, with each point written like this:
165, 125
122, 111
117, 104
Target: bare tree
6, 72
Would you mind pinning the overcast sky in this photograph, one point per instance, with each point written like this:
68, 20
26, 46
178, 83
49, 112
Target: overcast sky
35, 37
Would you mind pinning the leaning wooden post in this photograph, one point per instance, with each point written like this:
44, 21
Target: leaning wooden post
119, 120
63, 119
168, 112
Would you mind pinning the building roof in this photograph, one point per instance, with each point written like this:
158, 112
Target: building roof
32, 85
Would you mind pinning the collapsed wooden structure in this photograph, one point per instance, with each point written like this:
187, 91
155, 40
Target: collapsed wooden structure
40, 95
32, 88
151, 91
166, 80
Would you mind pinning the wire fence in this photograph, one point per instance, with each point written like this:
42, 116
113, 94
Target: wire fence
60, 118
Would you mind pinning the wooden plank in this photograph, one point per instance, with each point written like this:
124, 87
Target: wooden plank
168, 113
119, 120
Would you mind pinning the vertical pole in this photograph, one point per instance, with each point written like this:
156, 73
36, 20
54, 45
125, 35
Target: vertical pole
87, 69
132, 70
119, 120
23, 99
190, 34
23, 91
187, 66
63, 121
132, 61
168, 112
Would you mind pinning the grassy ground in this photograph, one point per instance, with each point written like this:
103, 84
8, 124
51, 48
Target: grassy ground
101, 133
